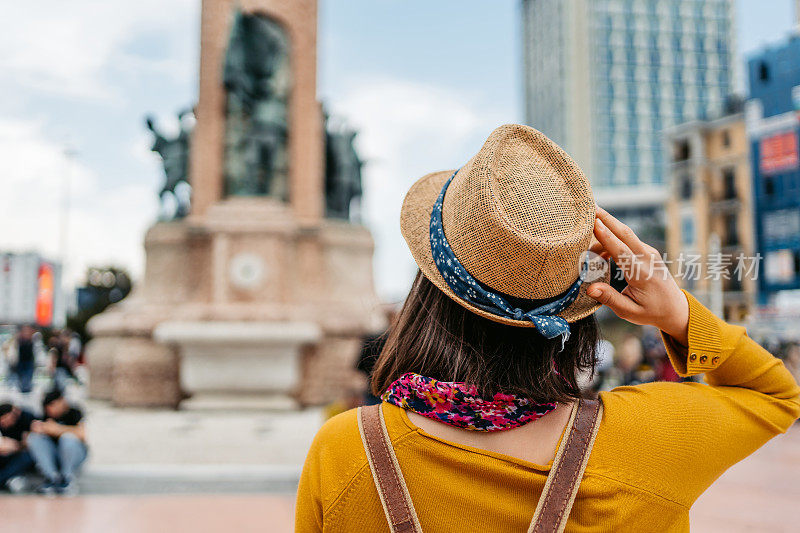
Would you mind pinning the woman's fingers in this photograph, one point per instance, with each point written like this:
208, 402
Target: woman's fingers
622, 232
652, 296
622, 305
615, 248
598, 248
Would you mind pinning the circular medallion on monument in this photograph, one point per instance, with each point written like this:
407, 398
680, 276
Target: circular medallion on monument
246, 271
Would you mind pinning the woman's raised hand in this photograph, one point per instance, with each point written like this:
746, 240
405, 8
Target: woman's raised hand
652, 297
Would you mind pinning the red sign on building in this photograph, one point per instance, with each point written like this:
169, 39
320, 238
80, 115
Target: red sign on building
44, 296
779, 152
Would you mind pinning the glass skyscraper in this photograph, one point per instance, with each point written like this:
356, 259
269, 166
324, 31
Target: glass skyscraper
604, 78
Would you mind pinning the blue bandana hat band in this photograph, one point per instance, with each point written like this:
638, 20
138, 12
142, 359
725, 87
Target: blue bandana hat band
469, 289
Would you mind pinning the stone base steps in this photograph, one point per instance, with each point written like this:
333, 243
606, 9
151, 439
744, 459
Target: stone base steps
189, 479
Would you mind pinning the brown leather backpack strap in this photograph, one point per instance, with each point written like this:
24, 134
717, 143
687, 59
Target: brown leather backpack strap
569, 464
386, 471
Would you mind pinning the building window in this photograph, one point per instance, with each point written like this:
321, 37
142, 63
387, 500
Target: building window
685, 187
726, 138
733, 283
731, 231
681, 151
796, 264
781, 225
729, 184
679, 104
769, 186
687, 230
763, 71
676, 43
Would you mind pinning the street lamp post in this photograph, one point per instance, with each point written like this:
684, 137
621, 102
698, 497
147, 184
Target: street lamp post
63, 230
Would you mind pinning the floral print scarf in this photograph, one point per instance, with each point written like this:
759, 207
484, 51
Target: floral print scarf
460, 405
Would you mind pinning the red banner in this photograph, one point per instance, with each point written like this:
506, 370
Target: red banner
779, 152
44, 296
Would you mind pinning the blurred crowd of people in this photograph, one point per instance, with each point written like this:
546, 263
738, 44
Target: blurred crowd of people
786, 350
633, 360
26, 352
42, 436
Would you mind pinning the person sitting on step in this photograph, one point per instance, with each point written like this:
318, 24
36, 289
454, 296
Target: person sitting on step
58, 444
15, 461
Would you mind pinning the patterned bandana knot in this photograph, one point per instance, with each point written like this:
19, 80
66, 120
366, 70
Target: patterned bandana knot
458, 404
545, 317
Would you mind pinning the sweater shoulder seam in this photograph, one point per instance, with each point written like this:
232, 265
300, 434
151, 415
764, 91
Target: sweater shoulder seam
638, 488
341, 495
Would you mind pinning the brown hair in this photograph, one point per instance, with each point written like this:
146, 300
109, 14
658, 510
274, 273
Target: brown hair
436, 337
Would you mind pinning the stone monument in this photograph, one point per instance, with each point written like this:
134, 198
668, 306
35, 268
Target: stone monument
256, 294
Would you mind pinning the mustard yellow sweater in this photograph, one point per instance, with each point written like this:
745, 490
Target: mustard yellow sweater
659, 446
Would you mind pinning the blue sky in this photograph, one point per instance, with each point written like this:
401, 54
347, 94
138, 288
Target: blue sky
424, 82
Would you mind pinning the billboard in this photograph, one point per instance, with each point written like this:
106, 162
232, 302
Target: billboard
44, 295
779, 153
781, 225
30, 290
779, 266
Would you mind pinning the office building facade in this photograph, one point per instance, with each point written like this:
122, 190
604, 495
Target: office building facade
605, 78
773, 127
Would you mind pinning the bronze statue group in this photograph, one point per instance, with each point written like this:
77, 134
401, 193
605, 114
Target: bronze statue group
256, 75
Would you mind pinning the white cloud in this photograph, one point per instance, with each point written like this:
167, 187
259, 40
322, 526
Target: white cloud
67, 47
406, 130
104, 226
89, 51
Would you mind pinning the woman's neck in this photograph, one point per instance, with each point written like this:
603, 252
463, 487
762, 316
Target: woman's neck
535, 442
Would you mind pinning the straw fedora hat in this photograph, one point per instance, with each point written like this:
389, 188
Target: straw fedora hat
519, 218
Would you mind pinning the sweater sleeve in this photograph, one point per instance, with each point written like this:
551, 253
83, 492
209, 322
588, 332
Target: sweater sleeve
729, 358
308, 506
680, 437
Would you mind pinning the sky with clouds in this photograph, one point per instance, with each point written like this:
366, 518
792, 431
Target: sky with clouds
424, 82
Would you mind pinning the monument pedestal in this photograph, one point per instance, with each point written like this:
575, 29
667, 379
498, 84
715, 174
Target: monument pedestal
245, 302
223, 359
128, 367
